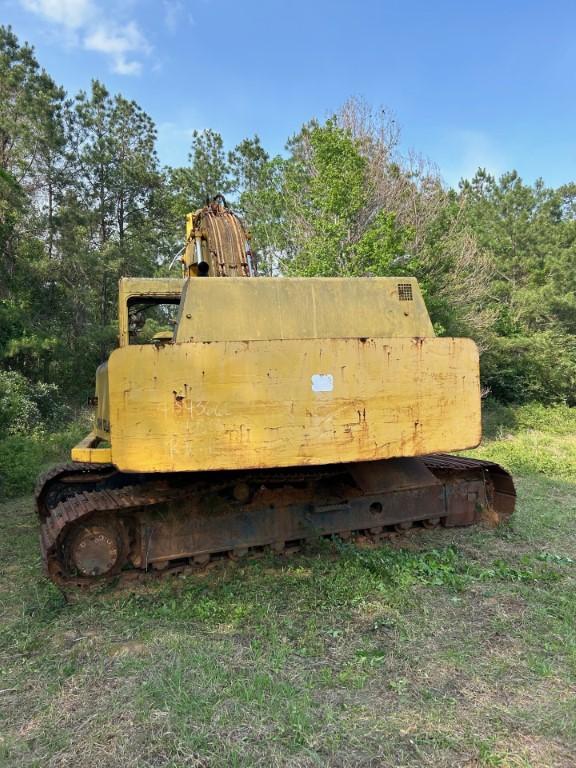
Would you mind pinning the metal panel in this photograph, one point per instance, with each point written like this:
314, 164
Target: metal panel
237, 405
183, 531
87, 450
394, 474
236, 309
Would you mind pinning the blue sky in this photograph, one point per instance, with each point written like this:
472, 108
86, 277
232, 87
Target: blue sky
470, 83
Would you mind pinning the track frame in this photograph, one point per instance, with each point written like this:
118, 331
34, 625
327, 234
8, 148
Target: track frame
161, 523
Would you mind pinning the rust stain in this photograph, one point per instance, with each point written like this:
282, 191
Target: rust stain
268, 392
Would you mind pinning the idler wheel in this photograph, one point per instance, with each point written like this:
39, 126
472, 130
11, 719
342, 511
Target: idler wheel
97, 549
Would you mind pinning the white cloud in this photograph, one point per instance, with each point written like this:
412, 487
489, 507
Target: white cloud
119, 44
123, 44
70, 13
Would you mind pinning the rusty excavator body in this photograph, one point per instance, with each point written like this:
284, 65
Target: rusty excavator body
273, 411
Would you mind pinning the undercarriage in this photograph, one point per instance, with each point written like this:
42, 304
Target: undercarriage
99, 524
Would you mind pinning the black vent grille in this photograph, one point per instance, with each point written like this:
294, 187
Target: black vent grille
405, 291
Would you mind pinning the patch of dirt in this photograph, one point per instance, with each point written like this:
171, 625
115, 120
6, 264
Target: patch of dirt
130, 648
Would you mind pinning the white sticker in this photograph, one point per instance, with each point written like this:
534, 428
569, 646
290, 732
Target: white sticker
322, 382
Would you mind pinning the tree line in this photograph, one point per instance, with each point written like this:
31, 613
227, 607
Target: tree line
84, 200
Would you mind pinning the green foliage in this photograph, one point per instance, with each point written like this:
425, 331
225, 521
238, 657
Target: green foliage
540, 367
247, 164
24, 456
530, 234
530, 231
559, 420
26, 408
21, 459
19, 411
208, 174
327, 186
12, 201
31, 431
378, 250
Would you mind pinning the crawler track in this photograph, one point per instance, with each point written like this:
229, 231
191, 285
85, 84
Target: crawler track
98, 524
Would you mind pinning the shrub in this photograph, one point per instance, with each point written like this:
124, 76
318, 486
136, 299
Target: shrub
541, 367
28, 408
24, 457
19, 412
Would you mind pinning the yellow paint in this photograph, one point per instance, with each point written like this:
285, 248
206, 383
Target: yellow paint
87, 450
236, 309
284, 372
232, 405
189, 225
188, 259
102, 417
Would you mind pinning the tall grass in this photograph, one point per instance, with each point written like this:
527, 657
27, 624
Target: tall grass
24, 457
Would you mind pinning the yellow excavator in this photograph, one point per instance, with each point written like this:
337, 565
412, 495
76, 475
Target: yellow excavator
242, 414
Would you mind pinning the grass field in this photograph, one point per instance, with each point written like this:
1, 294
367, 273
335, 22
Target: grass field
443, 648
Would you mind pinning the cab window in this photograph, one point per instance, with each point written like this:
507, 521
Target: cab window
151, 319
